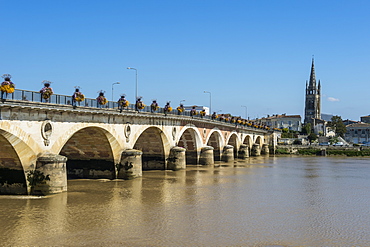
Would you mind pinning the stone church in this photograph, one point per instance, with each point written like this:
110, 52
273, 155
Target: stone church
312, 111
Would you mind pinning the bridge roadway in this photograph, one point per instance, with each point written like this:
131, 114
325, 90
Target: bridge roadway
42, 144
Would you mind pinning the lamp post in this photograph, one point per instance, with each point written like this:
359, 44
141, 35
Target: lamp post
246, 116
182, 101
136, 81
210, 101
112, 88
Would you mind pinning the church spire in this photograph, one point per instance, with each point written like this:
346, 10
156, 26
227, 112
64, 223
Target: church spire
312, 83
313, 97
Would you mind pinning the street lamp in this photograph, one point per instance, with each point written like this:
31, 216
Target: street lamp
112, 88
210, 101
136, 81
246, 117
181, 101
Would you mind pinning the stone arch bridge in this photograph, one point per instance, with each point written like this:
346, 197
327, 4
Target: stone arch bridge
43, 144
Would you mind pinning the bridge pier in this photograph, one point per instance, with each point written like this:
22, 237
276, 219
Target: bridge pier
177, 159
50, 175
243, 152
206, 156
265, 149
130, 166
228, 153
256, 150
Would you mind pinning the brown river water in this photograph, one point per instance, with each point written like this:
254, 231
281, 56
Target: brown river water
264, 201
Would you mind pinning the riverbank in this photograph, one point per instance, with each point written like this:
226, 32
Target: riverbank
317, 150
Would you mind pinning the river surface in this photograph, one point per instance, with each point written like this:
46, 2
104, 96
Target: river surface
271, 201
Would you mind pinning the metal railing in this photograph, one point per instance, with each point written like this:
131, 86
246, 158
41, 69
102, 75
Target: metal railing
32, 96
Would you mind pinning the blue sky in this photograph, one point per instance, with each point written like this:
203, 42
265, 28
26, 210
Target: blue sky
252, 53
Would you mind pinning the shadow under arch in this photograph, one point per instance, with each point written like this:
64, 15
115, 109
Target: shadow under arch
248, 141
89, 154
190, 140
16, 160
215, 141
234, 141
151, 143
259, 141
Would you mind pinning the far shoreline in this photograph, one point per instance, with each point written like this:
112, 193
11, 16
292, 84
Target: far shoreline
323, 151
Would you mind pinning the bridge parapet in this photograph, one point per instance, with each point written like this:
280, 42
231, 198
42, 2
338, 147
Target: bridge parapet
34, 111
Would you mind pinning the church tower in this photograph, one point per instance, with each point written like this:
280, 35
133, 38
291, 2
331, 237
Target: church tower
313, 95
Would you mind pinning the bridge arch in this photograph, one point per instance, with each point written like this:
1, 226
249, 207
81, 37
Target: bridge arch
215, 140
190, 139
17, 159
108, 132
248, 141
153, 142
234, 140
90, 153
259, 141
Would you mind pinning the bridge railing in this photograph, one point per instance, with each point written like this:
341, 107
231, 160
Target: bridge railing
32, 96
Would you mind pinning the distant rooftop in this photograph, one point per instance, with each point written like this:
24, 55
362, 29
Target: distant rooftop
281, 116
365, 125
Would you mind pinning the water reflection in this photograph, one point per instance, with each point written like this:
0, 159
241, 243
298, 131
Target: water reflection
264, 201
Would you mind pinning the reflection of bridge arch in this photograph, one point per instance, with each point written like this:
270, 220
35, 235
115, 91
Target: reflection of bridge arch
151, 142
215, 140
234, 141
89, 154
189, 139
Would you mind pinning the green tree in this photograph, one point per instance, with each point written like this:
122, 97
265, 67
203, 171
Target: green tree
312, 137
333, 140
306, 129
337, 125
